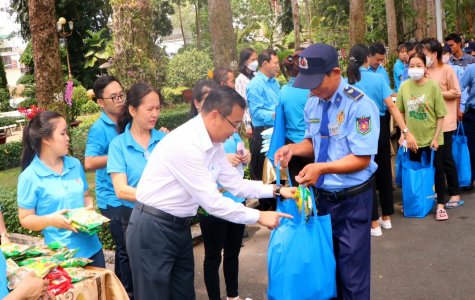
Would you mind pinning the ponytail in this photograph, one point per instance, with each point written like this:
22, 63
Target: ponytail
358, 56
27, 153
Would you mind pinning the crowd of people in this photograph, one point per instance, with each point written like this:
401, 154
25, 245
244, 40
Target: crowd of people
150, 182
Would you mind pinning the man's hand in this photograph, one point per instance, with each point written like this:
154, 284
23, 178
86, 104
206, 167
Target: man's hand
309, 174
270, 219
58, 220
283, 155
411, 142
288, 192
234, 159
246, 157
459, 115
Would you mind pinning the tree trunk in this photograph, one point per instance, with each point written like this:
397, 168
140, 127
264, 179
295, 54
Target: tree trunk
296, 20
198, 24
357, 30
420, 6
44, 40
309, 21
400, 21
391, 21
431, 25
223, 39
181, 24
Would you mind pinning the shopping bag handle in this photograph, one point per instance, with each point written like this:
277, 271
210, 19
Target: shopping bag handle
314, 204
460, 126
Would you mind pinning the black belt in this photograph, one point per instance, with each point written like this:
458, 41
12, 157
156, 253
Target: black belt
349, 192
163, 215
257, 128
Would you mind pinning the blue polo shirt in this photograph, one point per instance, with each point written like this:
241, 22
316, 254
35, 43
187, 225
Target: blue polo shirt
102, 132
293, 102
468, 82
375, 87
3, 276
47, 192
353, 127
128, 157
382, 71
399, 72
230, 146
262, 99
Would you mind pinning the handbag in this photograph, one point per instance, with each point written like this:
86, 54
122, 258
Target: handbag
418, 186
301, 262
462, 156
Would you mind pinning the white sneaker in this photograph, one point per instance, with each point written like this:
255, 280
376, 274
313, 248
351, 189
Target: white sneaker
386, 224
237, 298
376, 231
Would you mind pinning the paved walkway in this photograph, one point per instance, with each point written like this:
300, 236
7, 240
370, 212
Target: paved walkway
417, 259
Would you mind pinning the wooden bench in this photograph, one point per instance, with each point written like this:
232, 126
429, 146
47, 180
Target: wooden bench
8, 130
20, 123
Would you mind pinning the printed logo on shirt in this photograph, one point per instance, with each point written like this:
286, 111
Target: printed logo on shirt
314, 121
417, 107
333, 129
363, 125
340, 117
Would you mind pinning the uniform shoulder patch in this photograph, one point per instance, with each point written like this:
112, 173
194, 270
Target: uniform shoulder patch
353, 93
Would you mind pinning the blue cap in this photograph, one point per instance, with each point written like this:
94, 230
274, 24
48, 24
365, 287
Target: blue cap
470, 48
314, 63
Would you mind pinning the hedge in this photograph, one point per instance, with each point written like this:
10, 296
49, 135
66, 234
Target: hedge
5, 121
10, 215
10, 155
171, 119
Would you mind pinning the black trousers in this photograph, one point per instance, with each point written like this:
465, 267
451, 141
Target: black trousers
296, 164
384, 181
119, 220
450, 169
221, 236
439, 177
469, 126
161, 257
256, 165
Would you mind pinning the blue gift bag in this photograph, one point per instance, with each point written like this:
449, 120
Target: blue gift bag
278, 134
301, 263
462, 156
418, 186
399, 159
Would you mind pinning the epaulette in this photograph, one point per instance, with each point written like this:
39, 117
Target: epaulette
353, 93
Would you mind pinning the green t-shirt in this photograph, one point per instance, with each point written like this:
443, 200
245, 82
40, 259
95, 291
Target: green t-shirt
422, 105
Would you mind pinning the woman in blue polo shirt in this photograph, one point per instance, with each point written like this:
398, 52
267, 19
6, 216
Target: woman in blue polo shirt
376, 88
53, 183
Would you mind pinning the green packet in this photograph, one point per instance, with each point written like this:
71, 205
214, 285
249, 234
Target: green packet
56, 245
36, 251
75, 262
77, 274
14, 251
42, 259
86, 220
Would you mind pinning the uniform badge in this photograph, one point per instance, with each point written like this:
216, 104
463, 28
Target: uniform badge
314, 121
340, 117
363, 125
303, 63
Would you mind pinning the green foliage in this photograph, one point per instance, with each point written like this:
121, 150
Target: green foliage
79, 99
4, 100
26, 58
10, 155
285, 19
3, 76
99, 48
186, 68
78, 136
28, 102
26, 79
89, 108
377, 30
4, 121
172, 95
171, 119
161, 22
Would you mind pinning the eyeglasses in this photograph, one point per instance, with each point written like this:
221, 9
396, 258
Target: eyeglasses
235, 126
117, 99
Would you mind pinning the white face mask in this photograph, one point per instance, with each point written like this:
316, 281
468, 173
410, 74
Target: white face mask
253, 66
416, 73
429, 61
446, 58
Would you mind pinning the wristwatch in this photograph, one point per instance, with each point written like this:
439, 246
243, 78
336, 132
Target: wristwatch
405, 130
277, 188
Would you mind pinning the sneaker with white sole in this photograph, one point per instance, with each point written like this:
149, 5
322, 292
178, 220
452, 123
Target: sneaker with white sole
237, 298
386, 224
376, 231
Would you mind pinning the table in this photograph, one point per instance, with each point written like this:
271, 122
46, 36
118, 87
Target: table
103, 286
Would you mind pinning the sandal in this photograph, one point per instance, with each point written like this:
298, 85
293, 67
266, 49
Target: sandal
441, 215
454, 204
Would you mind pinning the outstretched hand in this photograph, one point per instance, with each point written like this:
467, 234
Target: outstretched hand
271, 219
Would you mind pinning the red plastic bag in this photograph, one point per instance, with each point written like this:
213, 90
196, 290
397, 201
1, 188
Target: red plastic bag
60, 282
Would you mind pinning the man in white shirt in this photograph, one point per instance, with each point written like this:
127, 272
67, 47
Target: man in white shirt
181, 175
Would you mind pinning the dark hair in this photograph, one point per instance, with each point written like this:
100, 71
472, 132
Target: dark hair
101, 83
420, 56
289, 62
358, 56
223, 99
433, 45
134, 98
410, 45
453, 37
243, 58
39, 128
401, 47
220, 76
200, 91
266, 55
377, 48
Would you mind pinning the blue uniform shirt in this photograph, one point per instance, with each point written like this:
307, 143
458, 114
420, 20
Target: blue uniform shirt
46, 191
354, 129
230, 146
375, 87
3, 276
100, 135
382, 71
262, 99
128, 157
293, 102
468, 82
399, 72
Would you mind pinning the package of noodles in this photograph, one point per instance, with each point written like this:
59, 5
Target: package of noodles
85, 220
14, 251
42, 259
41, 267
75, 262
15, 277
304, 199
56, 245
36, 251
11, 266
77, 274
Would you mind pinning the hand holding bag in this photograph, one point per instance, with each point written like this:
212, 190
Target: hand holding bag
462, 156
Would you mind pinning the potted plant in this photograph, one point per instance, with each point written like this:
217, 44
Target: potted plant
3, 138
